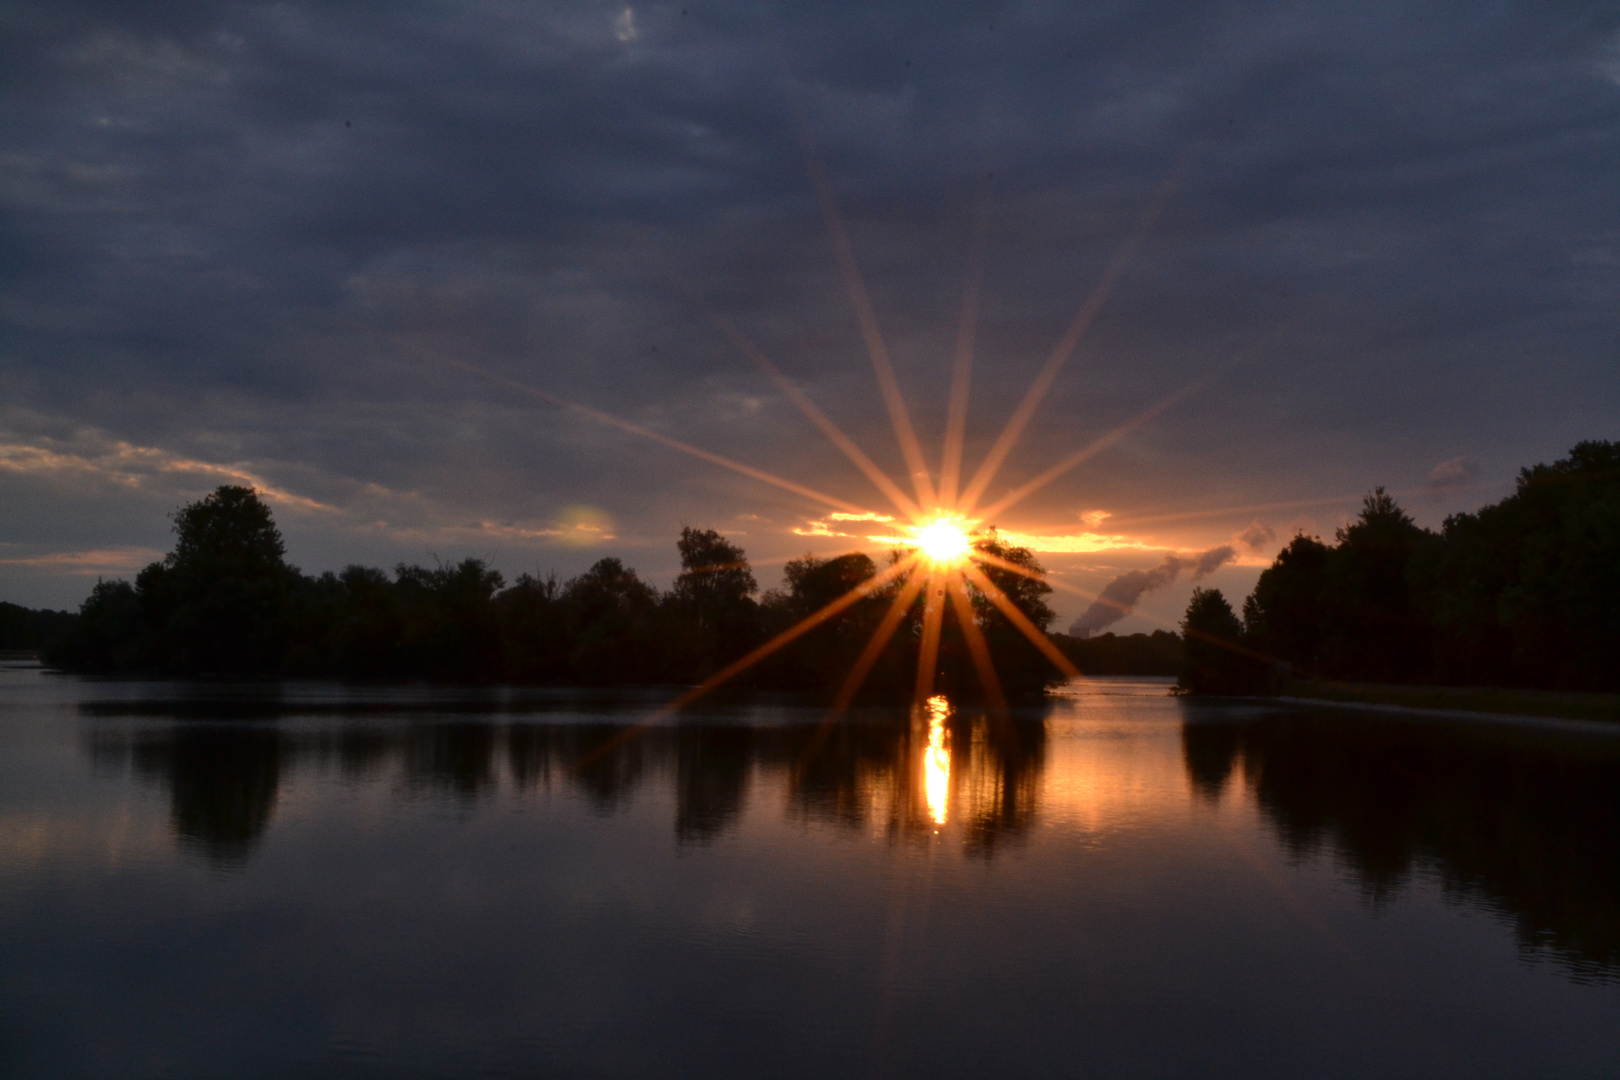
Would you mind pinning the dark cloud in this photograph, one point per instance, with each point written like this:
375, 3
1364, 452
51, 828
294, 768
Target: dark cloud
254, 234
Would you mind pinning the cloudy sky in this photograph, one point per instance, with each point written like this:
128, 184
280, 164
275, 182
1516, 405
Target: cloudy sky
383, 261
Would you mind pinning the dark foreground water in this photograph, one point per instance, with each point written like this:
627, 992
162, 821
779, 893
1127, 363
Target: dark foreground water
313, 881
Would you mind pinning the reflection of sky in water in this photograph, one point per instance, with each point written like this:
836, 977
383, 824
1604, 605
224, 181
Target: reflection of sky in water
432, 886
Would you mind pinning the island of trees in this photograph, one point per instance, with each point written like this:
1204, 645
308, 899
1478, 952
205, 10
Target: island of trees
225, 602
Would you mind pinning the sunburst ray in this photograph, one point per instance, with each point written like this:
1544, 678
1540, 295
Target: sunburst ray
1069, 341
928, 647
792, 633
737, 667
1123, 609
647, 433
1103, 442
1020, 620
866, 317
878, 642
950, 472
1256, 508
978, 649
834, 433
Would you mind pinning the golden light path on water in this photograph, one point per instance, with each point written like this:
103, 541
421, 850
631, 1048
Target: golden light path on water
936, 763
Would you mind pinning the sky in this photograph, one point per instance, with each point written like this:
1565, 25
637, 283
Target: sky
450, 280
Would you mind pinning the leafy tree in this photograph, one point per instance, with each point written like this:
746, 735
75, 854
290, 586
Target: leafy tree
1355, 610
814, 583
613, 623
451, 631
1022, 667
822, 658
1527, 591
1215, 660
1158, 653
108, 635
370, 623
221, 595
1383, 632
1287, 615
27, 629
534, 630
713, 599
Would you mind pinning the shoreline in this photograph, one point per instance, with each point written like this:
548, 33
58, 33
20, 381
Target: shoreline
1474, 702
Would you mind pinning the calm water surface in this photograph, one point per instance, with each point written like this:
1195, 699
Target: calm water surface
312, 881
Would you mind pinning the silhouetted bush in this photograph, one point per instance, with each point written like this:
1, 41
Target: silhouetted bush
1022, 667
614, 624
220, 600
534, 631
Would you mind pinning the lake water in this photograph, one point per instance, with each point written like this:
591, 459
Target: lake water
326, 881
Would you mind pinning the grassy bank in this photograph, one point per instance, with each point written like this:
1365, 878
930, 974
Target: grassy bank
1480, 699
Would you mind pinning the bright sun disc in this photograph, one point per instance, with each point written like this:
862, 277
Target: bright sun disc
943, 540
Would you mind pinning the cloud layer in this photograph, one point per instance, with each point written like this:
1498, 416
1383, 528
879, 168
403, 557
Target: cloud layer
284, 241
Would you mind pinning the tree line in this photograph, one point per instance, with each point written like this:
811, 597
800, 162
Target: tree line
226, 602
1522, 593
27, 630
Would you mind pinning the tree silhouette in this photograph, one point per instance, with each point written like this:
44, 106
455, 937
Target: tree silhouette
1215, 661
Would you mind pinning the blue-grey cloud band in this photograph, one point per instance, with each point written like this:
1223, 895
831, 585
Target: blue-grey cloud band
215, 217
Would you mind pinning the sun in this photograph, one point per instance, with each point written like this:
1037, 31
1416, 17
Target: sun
943, 541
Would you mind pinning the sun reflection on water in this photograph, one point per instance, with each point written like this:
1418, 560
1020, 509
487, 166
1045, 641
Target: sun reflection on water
937, 759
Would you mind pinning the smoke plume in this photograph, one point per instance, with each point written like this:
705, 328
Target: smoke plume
1212, 560
1119, 598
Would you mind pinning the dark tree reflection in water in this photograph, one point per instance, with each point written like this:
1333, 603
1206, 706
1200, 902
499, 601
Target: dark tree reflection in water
864, 775
711, 777
433, 881
1526, 821
222, 785
456, 758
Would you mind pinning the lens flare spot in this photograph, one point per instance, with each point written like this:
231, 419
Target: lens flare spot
583, 526
943, 541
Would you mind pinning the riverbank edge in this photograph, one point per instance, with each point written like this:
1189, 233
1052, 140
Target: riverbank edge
1474, 701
